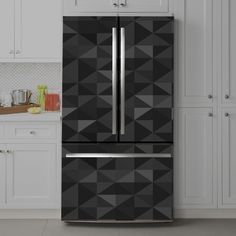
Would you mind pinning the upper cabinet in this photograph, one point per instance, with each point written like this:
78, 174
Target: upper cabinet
75, 7
31, 30
228, 93
194, 53
144, 6
86, 6
7, 29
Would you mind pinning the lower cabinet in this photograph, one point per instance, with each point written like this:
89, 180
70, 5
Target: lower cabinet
193, 160
28, 176
2, 175
228, 158
117, 189
31, 175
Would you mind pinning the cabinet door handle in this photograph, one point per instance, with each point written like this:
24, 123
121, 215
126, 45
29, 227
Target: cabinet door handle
226, 114
11, 52
210, 96
8, 151
115, 4
226, 96
123, 3
2, 151
210, 114
18, 52
76, 3
32, 132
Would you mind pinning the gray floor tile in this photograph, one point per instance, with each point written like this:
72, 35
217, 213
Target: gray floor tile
58, 228
22, 227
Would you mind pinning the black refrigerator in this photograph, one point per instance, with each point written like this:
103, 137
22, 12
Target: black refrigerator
117, 135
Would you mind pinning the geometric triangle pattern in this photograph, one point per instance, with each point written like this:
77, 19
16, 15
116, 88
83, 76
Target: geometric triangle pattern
87, 83
149, 79
121, 189
87, 79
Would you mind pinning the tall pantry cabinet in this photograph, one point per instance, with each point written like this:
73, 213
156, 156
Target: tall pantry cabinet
205, 111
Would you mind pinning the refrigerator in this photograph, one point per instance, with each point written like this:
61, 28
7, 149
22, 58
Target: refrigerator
117, 134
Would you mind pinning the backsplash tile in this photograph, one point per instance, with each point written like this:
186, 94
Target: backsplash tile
29, 75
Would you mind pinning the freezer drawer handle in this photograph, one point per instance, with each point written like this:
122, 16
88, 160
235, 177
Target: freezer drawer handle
114, 80
119, 155
122, 81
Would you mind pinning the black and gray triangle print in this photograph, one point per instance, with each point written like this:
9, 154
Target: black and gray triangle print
121, 189
149, 79
87, 83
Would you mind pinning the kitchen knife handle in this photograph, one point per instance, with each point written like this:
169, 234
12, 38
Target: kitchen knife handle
114, 80
122, 81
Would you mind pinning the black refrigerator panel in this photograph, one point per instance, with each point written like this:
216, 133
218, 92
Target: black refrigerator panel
109, 189
88, 98
118, 79
146, 79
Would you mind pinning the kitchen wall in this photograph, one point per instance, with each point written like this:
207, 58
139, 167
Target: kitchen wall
29, 75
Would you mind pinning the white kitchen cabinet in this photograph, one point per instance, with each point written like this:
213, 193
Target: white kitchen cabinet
88, 6
31, 176
7, 29
30, 164
161, 6
228, 160
38, 29
194, 53
31, 31
194, 158
2, 175
75, 7
228, 83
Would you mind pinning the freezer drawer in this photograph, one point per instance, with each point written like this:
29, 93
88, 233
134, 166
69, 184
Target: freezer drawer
117, 189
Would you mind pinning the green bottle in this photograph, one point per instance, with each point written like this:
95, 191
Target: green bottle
41, 92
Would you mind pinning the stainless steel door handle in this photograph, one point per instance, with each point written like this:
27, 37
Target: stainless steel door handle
114, 80
122, 81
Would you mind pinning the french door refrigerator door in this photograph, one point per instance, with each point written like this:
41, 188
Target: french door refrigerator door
146, 79
90, 79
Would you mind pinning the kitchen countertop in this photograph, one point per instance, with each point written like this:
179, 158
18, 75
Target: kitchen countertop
24, 117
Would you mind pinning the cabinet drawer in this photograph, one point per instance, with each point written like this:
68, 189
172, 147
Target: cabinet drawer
29, 131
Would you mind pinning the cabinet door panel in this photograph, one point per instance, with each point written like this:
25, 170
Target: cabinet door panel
228, 158
38, 29
31, 176
194, 158
86, 6
7, 29
228, 52
148, 83
144, 6
87, 79
2, 175
194, 58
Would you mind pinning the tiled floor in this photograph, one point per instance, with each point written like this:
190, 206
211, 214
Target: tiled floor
58, 228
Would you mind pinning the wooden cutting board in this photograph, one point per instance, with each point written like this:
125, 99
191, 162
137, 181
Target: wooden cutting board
16, 109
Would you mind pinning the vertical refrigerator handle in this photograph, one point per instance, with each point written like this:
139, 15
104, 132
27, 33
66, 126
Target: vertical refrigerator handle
122, 81
114, 80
